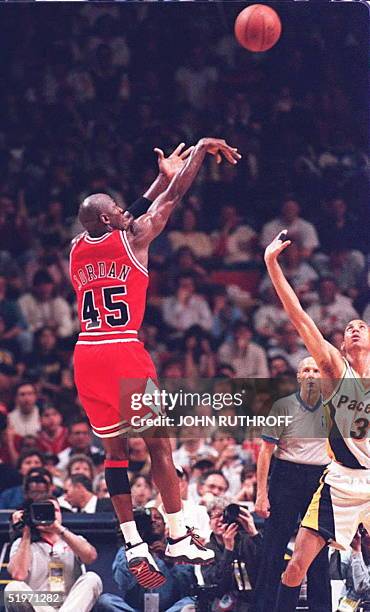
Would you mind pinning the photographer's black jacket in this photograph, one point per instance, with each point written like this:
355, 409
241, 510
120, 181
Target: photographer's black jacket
221, 571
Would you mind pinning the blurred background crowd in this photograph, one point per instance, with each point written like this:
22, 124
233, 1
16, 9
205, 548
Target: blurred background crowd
82, 109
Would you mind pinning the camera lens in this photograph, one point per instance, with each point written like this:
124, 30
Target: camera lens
231, 514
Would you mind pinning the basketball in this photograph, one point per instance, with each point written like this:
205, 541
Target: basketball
257, 27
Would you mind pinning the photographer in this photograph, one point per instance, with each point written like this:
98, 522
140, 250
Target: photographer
237, 546
173, 594
48, 557
356, 570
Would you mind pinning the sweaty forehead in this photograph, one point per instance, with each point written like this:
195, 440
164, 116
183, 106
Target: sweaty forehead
355, 323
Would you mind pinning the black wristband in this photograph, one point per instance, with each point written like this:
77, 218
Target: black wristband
139, 207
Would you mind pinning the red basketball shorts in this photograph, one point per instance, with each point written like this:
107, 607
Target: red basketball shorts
107, 377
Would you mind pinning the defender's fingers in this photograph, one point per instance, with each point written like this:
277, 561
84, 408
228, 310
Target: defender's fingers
282, 236
159, 153
284, 245
186, 153
178, 149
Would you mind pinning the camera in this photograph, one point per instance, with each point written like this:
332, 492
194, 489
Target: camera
143, 520
231, 514
36, 514
204, 596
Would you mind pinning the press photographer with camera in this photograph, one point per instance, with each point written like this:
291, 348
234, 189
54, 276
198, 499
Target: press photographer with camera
172, 596
237, 545
355, 570
48, 557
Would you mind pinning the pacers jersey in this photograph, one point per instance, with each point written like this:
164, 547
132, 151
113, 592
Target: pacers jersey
349, 413
110, 284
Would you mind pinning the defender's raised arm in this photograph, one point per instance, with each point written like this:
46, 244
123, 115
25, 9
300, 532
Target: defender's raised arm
327, 357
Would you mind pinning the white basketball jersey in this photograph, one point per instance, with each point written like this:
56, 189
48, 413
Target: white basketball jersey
349, 411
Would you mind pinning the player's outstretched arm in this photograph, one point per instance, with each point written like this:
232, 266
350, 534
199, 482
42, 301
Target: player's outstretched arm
167, 166
327, 357
151, 224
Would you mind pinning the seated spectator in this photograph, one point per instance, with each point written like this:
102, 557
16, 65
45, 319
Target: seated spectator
42, 307
247, 493
279, 365
138, 456
44, 363
29, 564
100, 486
237, 546
186, 307
289, 346
225, 313
333, 310
13, 497
247, 357
15, 333
345, 267
78, 493
212, 484
78, 464
195, 482
235, 242
230, 458
80, 442
25, 418
199, 359
298, 229
188, 235
141, 490
9, 442
53, 436
184, 262
173, 594
192, 447
194, 514
270, 315
339, 227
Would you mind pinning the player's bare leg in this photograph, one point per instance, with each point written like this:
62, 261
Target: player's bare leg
183, 545
307, 546
140, 561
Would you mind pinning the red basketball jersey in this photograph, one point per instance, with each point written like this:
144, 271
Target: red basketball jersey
110, 284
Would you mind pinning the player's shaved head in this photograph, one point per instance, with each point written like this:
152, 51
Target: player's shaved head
91, 210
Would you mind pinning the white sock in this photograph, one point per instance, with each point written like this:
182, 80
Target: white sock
176, 524
130, 532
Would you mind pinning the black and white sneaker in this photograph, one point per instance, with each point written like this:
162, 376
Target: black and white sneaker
142, 565
188, 550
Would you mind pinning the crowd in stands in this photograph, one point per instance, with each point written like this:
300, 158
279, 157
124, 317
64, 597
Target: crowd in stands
82, 111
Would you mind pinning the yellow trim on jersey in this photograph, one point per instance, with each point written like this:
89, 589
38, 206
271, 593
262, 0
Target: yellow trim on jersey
311, 518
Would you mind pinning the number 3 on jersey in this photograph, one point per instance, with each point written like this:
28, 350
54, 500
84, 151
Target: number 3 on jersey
112, 302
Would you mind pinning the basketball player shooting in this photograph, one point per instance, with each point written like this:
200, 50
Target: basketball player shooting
108, 266
342, 500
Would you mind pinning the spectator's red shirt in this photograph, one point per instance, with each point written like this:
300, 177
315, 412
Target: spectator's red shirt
53, 445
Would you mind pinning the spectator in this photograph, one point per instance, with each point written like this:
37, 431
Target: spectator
298, 229
225, 313
184, 262
188, 235
25, 418
196, 79
30, 560
173, 594
53, 436
278, 365
80, 464
9, 442
339, 227
14, 496
78, 492
357, 570
14, 332
289, 347
139, 460
191, 448
141, 490
199, 359
212, 484
235, 242
186, 307
345, 267
269, 316
44, 363
248, 359
248, 479
100, 486
80, 442
237, 546
333, 310
42, 308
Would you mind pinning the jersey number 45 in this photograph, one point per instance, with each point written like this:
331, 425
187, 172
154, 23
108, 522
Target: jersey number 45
112, 301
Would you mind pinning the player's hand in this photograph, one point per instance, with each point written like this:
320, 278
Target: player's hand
262, 507
277, 246
219, 148
229, 535
169, 166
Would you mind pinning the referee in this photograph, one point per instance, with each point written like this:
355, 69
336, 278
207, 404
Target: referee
300, 458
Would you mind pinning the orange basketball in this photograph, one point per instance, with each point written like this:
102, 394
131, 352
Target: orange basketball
257, 27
